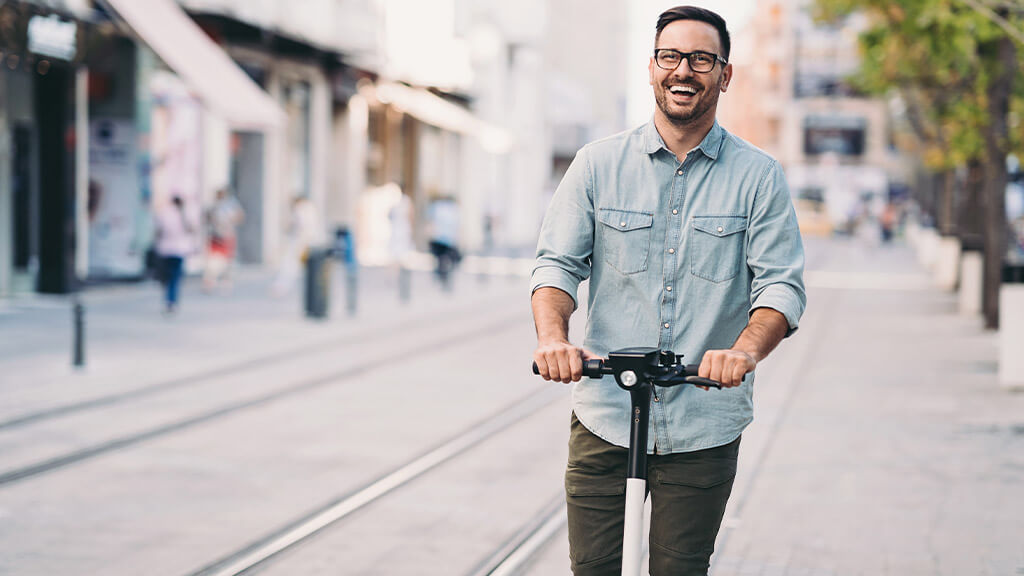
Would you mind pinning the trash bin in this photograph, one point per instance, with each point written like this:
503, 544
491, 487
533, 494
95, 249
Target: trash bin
318, 282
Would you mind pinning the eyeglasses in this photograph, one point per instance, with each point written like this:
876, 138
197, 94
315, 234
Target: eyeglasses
669, 59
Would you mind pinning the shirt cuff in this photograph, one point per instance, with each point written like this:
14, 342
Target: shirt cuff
555, 277
784, 299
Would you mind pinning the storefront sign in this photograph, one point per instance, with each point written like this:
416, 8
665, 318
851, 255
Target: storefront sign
51, 36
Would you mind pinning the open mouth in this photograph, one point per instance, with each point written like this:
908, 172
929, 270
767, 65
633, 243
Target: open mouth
683, 92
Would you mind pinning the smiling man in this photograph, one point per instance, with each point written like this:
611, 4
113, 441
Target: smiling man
690, 242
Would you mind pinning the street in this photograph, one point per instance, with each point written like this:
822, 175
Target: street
412, 439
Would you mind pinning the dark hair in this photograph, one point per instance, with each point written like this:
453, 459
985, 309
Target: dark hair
700, 14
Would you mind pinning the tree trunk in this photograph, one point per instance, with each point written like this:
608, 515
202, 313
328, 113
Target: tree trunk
946, 221
971, 225
998, 91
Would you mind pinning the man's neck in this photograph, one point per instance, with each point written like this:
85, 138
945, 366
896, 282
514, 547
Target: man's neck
680, 139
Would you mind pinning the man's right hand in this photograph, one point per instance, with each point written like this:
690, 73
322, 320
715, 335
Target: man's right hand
560, 361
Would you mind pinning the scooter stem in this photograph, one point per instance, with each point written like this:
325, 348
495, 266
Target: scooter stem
636, 480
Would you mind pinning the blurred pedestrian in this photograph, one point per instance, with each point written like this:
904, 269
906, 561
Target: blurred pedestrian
223, 219
305, 232
444, 238
690, 241
400, 218
887, 221
176, 230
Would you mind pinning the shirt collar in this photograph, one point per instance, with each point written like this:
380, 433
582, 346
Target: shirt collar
710, 145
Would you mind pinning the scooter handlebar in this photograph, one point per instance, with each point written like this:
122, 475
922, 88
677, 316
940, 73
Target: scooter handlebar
593, 368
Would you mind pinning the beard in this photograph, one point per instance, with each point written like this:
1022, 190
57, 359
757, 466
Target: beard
684, 115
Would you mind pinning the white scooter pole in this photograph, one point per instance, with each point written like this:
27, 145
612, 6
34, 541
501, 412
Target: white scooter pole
636, 476
633, 533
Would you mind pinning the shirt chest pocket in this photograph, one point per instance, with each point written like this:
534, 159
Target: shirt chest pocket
626, 238
716, 246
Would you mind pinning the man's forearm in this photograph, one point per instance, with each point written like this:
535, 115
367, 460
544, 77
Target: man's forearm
766, 328
551, 311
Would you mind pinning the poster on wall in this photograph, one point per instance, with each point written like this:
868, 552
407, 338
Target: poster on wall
113, 200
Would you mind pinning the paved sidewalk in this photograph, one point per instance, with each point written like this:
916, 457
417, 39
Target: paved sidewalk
886, 445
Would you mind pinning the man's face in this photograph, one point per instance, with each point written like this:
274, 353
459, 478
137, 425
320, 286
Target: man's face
672, 88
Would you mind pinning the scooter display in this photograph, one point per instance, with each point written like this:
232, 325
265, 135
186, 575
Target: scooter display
636, 370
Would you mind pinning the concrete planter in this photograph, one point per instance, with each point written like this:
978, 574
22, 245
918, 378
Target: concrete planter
971, 282
946, 267
1011, 336
927, 247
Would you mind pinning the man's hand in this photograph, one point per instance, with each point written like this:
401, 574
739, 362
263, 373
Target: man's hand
726, 366
764, 331
560, 361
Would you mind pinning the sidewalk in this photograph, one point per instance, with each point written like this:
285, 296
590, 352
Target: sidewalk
883, 443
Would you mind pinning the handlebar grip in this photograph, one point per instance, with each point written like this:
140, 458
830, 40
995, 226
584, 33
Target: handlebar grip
703, 382
593, 368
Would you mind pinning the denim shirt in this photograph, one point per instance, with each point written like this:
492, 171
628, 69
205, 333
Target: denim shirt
678, 255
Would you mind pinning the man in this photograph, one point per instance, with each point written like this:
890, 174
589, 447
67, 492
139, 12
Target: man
690, 241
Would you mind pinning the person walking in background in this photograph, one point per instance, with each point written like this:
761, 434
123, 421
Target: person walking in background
444, 237
305, 231
223, 220
690, 241
175, 240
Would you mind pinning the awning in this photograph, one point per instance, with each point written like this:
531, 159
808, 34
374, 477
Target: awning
204, 66
439, 112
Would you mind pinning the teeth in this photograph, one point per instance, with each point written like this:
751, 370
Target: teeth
682, 89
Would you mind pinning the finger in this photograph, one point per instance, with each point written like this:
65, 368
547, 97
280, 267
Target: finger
564, 372
738, 373
717, 366
542, 365
551, 358
704, 370
576, 366
588, 355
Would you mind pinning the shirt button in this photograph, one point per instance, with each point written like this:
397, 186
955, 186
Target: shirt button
623, 224
666, 324
719, 228
679, 172
671, 250
669, 288
675, 211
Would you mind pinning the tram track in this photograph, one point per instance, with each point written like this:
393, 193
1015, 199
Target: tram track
249, 364
347, 374
266, 549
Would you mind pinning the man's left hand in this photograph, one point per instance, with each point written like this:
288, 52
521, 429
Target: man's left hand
726, 366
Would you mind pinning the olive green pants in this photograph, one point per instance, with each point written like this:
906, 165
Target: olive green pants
688, 494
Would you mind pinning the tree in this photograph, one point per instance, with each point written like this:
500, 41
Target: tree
954, 64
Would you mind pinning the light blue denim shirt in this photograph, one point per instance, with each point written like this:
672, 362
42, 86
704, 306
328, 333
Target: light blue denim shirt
678, 255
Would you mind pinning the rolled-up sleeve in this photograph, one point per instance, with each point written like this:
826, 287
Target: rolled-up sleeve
775, 252
566, 241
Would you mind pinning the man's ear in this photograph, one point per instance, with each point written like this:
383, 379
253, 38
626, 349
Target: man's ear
650, 71
726, 77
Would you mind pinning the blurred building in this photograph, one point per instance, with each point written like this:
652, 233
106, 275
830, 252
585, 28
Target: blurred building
111, 107
586, 87
792, 98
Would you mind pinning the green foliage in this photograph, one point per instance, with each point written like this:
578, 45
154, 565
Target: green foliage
938, 56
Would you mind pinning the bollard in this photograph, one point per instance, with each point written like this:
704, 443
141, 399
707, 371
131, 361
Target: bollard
318, 283
351, 288
78, 345
404, 284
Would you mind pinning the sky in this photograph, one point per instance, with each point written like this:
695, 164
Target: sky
643, 16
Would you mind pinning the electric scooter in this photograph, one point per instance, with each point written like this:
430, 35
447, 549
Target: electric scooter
635, 371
